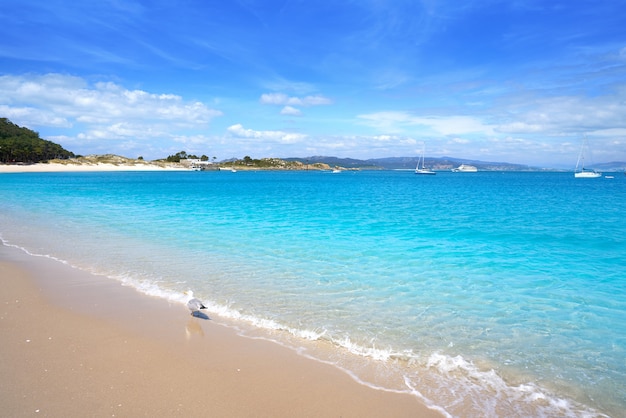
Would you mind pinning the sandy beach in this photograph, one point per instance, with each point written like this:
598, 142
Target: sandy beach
81, 345
56, 167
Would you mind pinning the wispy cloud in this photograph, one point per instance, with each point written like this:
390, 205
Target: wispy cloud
440, 125
290, 102
283, 99
262, 136
291, 111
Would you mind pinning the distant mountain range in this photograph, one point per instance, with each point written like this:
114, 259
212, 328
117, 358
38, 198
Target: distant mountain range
613, 166
443, 163
447, 163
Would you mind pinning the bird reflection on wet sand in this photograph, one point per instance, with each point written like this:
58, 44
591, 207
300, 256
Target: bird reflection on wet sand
193, 328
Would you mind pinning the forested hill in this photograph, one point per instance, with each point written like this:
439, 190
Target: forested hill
21, 145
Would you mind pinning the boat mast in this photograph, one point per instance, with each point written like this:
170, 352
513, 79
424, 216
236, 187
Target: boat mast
581, 155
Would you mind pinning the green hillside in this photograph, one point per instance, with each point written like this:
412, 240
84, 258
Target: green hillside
21, 145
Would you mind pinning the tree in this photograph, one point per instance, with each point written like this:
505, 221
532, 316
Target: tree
182, 155
19, 144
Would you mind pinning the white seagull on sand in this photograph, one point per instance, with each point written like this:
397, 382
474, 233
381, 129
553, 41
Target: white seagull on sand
194, 304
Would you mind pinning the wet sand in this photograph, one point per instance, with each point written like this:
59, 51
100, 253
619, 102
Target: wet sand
80, 345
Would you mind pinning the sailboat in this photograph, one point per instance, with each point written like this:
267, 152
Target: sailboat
583, 172
420, 169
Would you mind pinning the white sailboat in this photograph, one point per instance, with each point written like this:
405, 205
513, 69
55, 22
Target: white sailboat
420, 169
583, 172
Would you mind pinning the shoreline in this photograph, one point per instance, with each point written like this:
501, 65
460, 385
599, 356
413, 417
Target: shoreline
108, 167
80, 342
60, 168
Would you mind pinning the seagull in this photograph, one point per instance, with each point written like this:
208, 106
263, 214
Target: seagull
194, 304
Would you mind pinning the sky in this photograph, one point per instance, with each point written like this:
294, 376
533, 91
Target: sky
519, 81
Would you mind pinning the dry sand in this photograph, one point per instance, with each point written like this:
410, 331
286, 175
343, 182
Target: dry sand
56, 167
88, 347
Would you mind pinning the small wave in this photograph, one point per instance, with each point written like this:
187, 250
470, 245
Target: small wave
491, 395
6, 243
450, 384
143, 286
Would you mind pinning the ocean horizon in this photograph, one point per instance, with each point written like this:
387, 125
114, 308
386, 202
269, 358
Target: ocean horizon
492, 293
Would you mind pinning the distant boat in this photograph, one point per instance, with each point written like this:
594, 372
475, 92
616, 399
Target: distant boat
465, 168
420, 169
582, 172
336, 170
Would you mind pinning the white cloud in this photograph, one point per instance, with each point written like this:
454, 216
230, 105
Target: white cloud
193, 141
72, 99
289, 110
460, 141
124, 130
386, 121
566, 114
456, 125
25, 114
289, 102
269, 136
397, 122
103, 112
519, 127
611, 132
316, 101
283, 99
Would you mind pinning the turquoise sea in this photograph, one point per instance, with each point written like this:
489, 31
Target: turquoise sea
485, 294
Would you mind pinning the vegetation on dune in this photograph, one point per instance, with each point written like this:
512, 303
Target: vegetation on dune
111, 159
182, 155
275, 163
22, 145
247, 163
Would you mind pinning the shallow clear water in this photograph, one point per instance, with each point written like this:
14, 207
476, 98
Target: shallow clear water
489, 293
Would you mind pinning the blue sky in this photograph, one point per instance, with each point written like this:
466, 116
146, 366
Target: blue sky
520, 81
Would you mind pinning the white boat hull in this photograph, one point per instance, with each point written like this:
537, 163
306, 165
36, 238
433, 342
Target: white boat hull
424, 171
420, 169
587, 175
582, 172
464, 168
